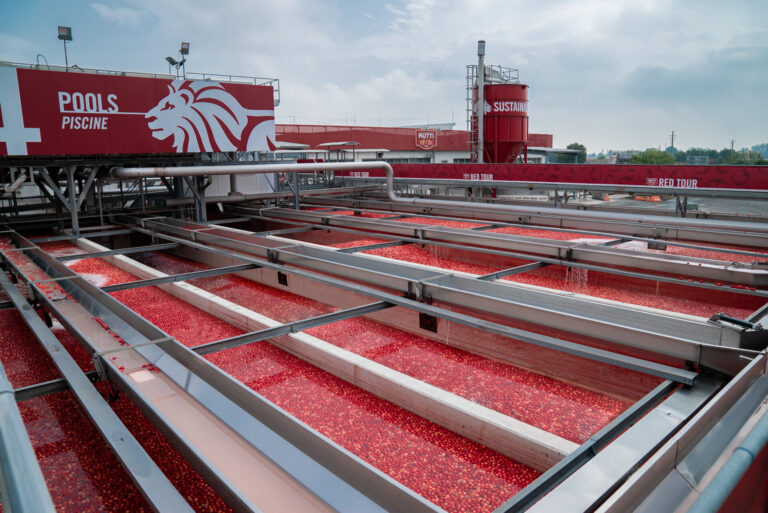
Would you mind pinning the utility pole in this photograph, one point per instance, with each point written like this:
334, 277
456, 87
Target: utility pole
672, 136
732, 142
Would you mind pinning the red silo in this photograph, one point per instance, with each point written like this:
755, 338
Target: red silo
505, 122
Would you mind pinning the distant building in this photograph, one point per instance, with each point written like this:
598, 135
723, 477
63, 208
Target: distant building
424, 144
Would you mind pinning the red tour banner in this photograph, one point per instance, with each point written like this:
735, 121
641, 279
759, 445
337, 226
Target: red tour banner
72, 113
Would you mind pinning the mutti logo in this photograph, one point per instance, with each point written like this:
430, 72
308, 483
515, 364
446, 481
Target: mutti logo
426, 139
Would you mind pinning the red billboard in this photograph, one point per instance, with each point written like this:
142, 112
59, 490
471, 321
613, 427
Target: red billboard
72, 113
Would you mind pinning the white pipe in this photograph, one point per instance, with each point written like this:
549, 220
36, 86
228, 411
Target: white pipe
11, 188
137, 172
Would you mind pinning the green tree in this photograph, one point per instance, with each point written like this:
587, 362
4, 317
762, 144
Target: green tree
582, 156
652, 156
762, 149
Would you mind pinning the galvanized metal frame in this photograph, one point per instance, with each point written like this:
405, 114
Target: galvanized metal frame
332, 473
562, 250
664, 371
153, 485
675, 336
658, 228
538, 258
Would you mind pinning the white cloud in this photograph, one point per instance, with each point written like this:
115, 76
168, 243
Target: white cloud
608, 73
123, 16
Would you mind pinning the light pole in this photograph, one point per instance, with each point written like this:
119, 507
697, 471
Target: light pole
65, 34
184, 51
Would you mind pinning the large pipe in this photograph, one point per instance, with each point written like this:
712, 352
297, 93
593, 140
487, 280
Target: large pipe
723, 484
11, 188
244, 169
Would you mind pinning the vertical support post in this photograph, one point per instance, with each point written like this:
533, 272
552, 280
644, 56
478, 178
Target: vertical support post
141, 193
178, 187
199, 195
296, 191
480, 101
232, 184
100, 185
73, 208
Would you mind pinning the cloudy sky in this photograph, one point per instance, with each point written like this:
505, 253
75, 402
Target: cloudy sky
614, 74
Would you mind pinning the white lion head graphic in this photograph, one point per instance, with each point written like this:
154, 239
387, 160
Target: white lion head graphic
203, 116
487, 108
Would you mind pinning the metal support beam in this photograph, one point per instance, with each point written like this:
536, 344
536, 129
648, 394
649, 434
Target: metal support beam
123, 251
178, 277
107, 233
23, 487
73, 202
48, 387
285, 329
87, 186
586, 451
586, 488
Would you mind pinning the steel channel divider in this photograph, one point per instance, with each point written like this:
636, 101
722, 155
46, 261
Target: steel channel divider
667, 372
285, 329
629, 326
335, 475
123, 251
586, 451
154, 486
563, 250
22, 485
598, 478
535, 218
492, 225
553, 261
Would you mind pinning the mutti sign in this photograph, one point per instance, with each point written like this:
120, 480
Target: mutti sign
60, 113
426, 139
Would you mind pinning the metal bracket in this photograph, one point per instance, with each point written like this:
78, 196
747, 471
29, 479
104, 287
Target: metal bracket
273, 256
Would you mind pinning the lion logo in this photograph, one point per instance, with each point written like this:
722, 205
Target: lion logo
202, 116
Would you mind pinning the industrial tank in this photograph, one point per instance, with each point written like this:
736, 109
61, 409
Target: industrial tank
506, 122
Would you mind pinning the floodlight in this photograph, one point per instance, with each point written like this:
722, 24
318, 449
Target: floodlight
184, 49
65, 33
481, 48
171, 61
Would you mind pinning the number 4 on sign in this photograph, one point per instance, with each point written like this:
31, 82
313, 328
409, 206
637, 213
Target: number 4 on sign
13, 132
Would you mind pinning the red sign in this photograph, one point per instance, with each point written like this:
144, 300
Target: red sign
71, 113
683, 176
426, 139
